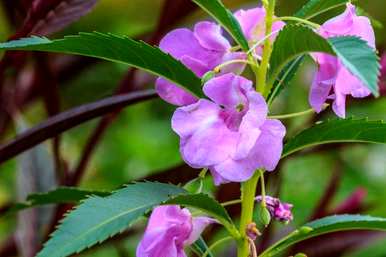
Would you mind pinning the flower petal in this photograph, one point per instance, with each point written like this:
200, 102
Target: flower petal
250, 125
342, 24
268, 148
210, 36
252, 22
182, 42
205, 138
228, 90
199, 225
233, 171
173, 94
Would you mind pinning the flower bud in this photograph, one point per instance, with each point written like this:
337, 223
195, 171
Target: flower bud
264, 216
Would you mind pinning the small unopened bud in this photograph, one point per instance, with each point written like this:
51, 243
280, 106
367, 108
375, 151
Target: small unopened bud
208, 76
252, 231
264, 216
305, 230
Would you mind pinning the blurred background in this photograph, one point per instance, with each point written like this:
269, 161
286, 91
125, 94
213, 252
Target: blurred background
137, 142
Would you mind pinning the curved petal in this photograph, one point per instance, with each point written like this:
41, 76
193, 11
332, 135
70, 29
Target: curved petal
182, 42
198, 67
228, 90
252, 22
234, 171
210, 145
339, 105
363, 28
198, 116
348, 84
268, 148
342, 24
157, 243
250, 125
199, 225
210, 36
173, 94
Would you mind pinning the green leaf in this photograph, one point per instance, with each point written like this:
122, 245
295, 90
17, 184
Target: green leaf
358, 58
354, 53
324, 226
117, 49
338, 131
208, 205
200, 248
99, 218
225, 17
315, 7
57, 196
285, 77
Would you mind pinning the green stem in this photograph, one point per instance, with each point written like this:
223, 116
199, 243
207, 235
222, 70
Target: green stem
248, 192
262, 74
232, 202
215, 244
296, 114
300, 20
219, 67
263, 201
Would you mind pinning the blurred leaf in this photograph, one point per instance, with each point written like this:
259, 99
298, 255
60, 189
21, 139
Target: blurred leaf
359, 58
208, 205
225, 17
59, 15
97, 218
36, 173
69, 119
200, 248
116, 49
338, 131
59, 195
285, 77
315, 7
324, 226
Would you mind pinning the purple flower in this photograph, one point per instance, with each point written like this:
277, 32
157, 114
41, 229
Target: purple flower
230, 134
252, 23
169, 230
278, 210
201, 50
333, 80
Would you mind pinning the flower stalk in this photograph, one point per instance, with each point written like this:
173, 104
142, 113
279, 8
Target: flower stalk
248, 192
262, 73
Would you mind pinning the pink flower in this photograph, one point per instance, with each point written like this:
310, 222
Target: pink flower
278, 210
230, 134
201, 50
169, 230
331, 74
252, 23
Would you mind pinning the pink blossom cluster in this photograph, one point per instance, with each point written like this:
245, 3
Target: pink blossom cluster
230, 132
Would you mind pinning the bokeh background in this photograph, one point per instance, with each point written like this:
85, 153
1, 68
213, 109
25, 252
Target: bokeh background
140, 143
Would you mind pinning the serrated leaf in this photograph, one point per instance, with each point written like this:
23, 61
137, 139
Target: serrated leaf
338, 131
225, 17
354, 53
359, 59
116, 49
208, 205
57, 196
315, 7
97, 218
324, 226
